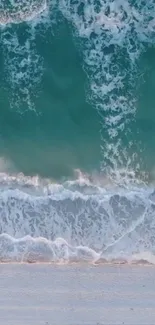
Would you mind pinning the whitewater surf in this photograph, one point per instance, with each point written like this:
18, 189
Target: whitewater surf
71, 81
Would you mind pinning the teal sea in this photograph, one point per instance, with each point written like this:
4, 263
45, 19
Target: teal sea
77, 130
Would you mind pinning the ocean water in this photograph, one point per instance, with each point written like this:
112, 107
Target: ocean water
77, 129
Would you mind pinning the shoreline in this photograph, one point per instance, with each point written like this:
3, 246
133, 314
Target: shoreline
82, 264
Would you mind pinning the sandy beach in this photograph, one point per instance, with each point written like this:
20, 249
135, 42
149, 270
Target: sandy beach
76, 295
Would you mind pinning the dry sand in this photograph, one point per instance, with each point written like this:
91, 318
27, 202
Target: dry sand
73, 295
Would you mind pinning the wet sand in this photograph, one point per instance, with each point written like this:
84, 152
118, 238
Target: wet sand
35, 294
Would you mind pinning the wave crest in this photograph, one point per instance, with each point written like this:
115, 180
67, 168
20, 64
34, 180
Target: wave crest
114, 222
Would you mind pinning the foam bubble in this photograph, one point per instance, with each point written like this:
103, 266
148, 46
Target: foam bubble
23, 67
28, 249
34, 250
92, 222
15, 11
113, 34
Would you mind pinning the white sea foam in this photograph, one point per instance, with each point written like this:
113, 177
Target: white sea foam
15, 11
86, 219
114, 34
23, 66
74, 221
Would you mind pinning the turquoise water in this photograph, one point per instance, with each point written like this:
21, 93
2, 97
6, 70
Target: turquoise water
58, 135
50, 120
77, 129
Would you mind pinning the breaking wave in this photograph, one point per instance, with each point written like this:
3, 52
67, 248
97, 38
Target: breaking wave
108, 218
75, 221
